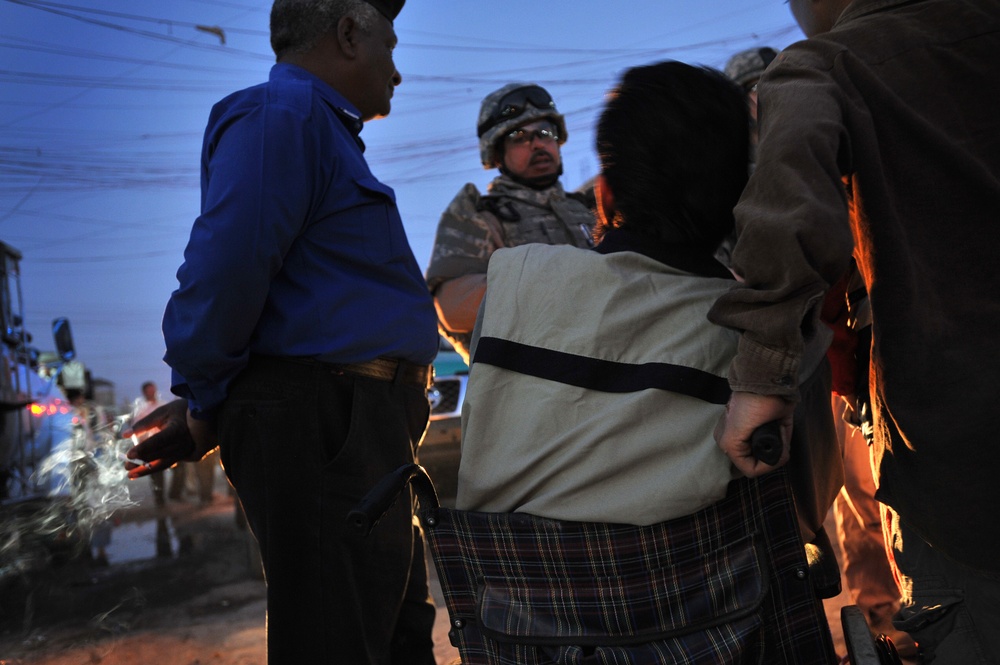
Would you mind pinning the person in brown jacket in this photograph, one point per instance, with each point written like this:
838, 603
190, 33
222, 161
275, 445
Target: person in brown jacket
876, 134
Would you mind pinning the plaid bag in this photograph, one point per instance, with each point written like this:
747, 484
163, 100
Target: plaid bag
728, 584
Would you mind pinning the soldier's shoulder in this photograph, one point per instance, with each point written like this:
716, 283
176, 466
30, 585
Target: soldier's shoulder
465, 201
468, 193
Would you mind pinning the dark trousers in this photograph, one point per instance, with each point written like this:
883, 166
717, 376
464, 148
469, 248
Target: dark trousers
953, 612
302, 444
816, 468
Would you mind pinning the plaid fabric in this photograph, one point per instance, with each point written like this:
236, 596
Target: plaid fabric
726, 585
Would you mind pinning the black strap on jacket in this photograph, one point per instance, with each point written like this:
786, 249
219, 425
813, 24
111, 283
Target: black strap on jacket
601, 375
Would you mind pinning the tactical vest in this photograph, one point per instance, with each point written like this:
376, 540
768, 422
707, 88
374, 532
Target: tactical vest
548, 217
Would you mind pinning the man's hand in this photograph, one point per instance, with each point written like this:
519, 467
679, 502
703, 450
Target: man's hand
745, 413
176, 437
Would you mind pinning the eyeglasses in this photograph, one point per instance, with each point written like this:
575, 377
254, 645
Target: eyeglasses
514, 102
526, 136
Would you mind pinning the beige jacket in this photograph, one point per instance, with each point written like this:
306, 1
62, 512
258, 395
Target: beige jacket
573, 452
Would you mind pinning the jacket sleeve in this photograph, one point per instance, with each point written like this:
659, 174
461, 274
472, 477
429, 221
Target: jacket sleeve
794, 237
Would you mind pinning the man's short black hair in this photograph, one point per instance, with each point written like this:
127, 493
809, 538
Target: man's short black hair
673, 141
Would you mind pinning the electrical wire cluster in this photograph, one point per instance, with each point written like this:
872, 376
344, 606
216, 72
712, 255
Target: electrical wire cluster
103, 104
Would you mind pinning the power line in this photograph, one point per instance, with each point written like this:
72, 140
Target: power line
45, 6
114, 83
143, 33
41, 47
112, 258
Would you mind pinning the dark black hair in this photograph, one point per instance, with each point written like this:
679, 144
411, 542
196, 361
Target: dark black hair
673, 141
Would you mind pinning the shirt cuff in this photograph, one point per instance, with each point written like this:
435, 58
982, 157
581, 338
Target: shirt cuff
197, 409
765, 371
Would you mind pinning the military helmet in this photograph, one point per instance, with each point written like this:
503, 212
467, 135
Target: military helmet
508, 108
747, 66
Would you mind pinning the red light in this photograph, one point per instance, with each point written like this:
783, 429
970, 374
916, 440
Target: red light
49, 409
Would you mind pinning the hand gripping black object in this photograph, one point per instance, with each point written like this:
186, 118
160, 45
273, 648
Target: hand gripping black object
766, 444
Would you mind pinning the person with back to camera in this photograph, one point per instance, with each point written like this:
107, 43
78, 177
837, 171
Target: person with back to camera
545, 429
877, 142
520, 132
300, 338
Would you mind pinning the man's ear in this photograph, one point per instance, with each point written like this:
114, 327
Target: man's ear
605, 201
348, 35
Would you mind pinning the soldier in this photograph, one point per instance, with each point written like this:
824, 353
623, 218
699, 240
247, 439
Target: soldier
746, 68
520, 132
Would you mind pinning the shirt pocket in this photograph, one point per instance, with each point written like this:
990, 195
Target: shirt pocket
384, 237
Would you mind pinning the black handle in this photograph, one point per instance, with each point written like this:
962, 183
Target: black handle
766, 444
380, 498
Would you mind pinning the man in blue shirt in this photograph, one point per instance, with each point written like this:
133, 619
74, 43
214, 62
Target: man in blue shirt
300, 338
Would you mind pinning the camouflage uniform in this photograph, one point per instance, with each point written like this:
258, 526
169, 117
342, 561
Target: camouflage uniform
746, 67
509, 214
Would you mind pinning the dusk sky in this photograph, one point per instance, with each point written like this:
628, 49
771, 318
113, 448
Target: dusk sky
103, 104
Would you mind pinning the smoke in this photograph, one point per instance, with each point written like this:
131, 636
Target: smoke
87, 467
81, 482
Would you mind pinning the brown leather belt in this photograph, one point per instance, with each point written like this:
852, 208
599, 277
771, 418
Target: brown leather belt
385, 369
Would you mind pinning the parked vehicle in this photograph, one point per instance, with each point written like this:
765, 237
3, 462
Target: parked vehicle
35, 418
441, 449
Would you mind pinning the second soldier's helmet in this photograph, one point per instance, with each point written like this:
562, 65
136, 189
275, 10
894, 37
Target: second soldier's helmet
508, 108
746, 67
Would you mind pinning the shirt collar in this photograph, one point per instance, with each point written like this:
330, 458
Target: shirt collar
347, 112
683, 257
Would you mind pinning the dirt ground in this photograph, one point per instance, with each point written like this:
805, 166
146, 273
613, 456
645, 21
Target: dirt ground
203, 604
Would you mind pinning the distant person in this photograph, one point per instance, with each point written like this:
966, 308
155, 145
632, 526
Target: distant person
859, 528
520, 132
877, 141
301, 337
148, 401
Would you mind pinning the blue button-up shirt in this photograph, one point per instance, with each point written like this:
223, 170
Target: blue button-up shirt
298, 251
